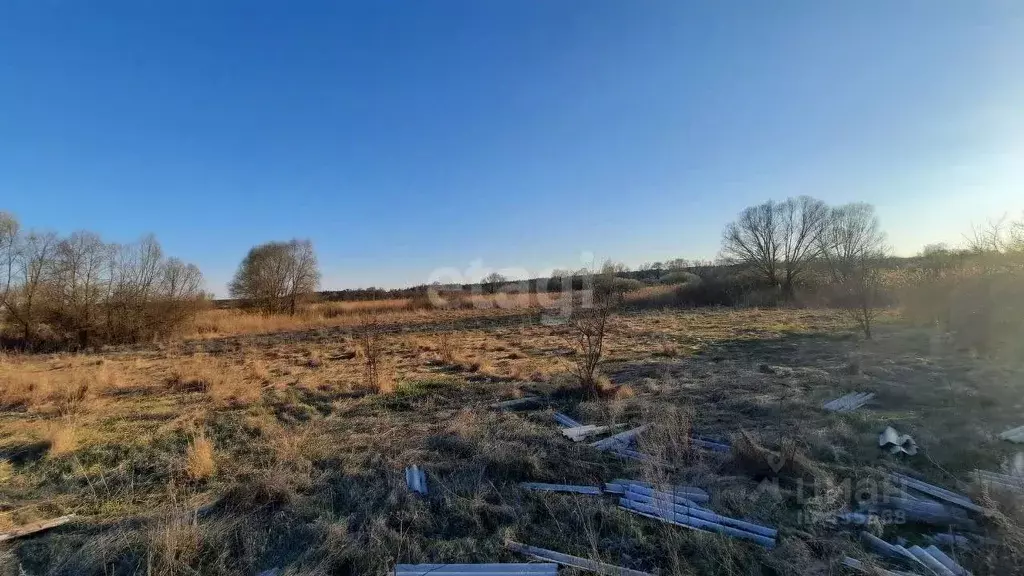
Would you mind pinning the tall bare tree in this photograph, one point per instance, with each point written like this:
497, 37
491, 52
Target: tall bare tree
78, 283
275, 276
8, 235
853, 246
32, 267
778, 239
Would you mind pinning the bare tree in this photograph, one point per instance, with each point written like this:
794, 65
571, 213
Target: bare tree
853, 246
275, 276
78, 283
778, 239
32, 267
72, 289
492, 282
998, 236
8, 236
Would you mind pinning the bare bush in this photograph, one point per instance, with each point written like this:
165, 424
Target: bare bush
370, 340
587, 325
997, 237
277, 276
446, 346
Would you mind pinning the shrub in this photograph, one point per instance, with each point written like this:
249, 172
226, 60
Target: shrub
724, 289
587, 325
679, 277
983, 309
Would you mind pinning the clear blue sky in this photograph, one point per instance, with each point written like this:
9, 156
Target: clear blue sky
405, 136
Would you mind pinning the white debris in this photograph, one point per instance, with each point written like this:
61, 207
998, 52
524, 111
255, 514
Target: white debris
1014, 435
416, 479
936, 492
849, 403
578, 433
896, 442
623, 439
619, 485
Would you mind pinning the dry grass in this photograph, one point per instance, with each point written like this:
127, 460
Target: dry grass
61, 438
227, 322
199, 458
307, 473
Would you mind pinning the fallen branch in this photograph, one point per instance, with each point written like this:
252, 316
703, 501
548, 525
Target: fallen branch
35, 528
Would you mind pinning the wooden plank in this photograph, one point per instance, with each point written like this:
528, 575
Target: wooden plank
35, 528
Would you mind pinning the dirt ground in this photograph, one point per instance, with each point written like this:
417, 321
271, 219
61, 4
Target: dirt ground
236, 454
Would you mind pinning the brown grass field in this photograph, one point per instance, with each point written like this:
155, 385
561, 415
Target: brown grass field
254, 444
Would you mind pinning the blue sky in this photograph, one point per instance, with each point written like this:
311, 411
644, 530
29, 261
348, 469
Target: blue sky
402, 137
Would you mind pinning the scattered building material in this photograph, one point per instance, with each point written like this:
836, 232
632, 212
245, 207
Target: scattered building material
896, 442
946, 561
947, 539
535, 569
621, 439
685, 498
712, 445
934, 566
35, 528
618, 486
682, 506
891, 551
540, 486
566, 421
929, 560
517, 403
879, 546
416, 478
578, 433
849, 403
936, 492
995, 480
669, 515
1015, 435
573, 561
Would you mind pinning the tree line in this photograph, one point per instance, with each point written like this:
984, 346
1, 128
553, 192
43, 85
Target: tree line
80, 291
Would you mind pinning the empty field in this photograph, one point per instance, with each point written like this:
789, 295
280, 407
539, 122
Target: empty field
234, 454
